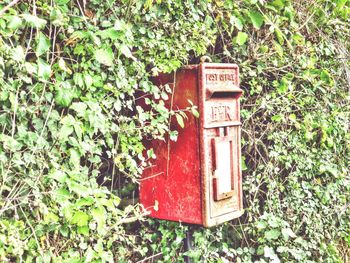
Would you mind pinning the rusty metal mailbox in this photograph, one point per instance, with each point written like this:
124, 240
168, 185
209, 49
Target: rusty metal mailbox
197, 179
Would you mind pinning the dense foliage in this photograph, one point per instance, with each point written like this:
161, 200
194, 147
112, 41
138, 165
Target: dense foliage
71, 74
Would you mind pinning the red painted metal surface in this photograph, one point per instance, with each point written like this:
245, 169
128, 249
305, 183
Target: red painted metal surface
197, 179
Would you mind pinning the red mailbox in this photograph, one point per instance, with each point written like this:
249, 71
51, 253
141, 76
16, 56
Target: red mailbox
197, 179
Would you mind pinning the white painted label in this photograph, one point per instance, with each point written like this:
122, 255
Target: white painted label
223, 166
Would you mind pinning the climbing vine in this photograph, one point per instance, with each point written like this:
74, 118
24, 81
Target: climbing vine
72, 76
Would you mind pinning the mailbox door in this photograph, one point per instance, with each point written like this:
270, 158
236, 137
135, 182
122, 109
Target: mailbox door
173, 180
220, 143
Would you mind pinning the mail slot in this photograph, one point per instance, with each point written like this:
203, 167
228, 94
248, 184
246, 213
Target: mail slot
197, 179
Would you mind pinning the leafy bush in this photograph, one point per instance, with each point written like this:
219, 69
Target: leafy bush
71, 134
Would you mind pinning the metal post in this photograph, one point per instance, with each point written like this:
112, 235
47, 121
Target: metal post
188, 244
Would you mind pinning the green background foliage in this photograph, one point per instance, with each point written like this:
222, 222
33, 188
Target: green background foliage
71, 152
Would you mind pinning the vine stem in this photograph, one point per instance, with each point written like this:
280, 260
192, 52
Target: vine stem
150, 257
34, 234
171, 108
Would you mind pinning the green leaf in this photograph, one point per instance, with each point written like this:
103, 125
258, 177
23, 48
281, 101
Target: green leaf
65, 94
126, 51
110, 33
278, 3
31, 68
256, 18
63, 66
61, 195
292, 117
88, 80
87, 201
164, 95
89, 255
9, 143
287, 233
105, 56
279, 36
84, 230
78, 188
56, 17
58, 176
277, 118
44, 70
195, 112
283, 86
14, 22
18, 54
34, 21
74, 158
150, 154
50, 218
260, 225
43, 45
180, 120
235, 21
78, 79
117, 105
272, 234
173, 135
279, 49
325, 76
241, 38
80, 218
64, 132
341, 4
99, 214
270, 253
4, 95
64, 230
243, 164
79, 107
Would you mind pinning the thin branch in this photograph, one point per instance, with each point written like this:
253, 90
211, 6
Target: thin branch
2, 11
82, 12
33, 231
149, 258
15, 107
151, 176
306, 22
